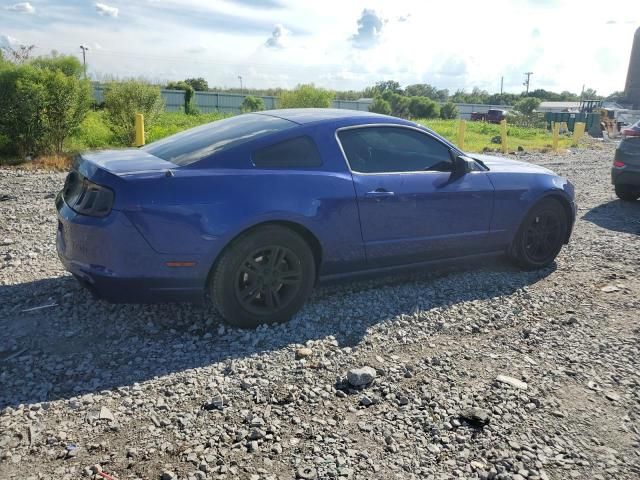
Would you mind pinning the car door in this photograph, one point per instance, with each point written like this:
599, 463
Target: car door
413, 206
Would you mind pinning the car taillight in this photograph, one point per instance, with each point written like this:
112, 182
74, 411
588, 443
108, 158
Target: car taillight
85, 197
618, 164
630, 132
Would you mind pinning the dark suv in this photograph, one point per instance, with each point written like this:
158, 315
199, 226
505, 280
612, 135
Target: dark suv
625, 174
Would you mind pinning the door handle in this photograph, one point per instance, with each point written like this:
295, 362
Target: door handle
379, 193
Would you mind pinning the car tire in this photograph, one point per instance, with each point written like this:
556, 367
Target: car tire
628, 193
263, 277
541, 235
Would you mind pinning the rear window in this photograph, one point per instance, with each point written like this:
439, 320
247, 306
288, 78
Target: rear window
200, 142
296, 152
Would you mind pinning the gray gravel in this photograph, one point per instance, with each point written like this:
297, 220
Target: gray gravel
483, 372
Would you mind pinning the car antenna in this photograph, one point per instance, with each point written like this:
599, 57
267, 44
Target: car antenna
168, 173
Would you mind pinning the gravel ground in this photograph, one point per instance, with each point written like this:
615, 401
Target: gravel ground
486, 372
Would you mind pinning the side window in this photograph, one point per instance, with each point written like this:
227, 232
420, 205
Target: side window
393, 149
295, 152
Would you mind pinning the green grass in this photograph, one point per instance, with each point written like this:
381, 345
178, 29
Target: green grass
94, 133
478, 135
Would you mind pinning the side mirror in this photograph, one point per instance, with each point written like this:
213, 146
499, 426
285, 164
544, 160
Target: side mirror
463, 164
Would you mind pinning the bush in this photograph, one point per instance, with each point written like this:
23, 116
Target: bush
449, 111
305, 96
399, 104
252, 104
422, 107
527, 105
123, 100
22, 106
68, 101
380, 105
69, 65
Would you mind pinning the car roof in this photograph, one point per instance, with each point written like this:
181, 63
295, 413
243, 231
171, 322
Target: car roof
304, 116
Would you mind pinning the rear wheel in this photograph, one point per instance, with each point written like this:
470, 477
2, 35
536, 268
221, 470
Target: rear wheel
541, 235
263, 277
628, 193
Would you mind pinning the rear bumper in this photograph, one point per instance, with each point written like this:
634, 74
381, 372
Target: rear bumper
110, 257
627, 175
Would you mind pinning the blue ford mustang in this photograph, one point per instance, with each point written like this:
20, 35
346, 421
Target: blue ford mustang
254, 210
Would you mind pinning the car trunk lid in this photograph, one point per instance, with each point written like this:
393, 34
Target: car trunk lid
130, 161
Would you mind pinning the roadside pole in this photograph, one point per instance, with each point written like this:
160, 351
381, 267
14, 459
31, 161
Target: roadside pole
461, 128
503, 135
139, 129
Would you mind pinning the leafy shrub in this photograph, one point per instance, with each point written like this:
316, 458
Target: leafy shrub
448, 111
399, 104
252, 104
67, 64
68, 101
22, 106
527, 105
422, 107
124, 99
380, 105
305, 96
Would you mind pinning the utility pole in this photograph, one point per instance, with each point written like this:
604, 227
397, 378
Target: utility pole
528, 80
501, 85
84, 59
241, 88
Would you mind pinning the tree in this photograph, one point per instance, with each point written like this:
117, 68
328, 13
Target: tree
616, 96
67, 64
399, 104
423, 107
68, 101
426, 90
380, 88
198, 84
252, 104
305, 96
189, 95
527, 105
20, 54
590, 94
380, 105
448, 111
123, 100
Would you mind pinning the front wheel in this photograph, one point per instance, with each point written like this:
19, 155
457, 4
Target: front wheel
628, 193
263, 277
541, 235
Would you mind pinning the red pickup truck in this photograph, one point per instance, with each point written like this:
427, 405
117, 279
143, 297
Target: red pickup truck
494, 115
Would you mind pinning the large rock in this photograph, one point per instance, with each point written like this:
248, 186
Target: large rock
514, 382
361, 377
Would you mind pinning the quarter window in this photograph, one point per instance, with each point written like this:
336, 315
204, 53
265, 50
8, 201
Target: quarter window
292, 153
393, 149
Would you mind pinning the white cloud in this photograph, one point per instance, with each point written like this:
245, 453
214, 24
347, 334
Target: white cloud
106, 10
369, 29
22, 7
279, 37
7, 41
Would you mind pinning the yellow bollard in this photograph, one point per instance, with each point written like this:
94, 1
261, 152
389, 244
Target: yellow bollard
578, 132
556, 135
503, 135
461, 128
139, 129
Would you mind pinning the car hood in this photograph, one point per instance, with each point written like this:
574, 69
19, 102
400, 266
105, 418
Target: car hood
501, 164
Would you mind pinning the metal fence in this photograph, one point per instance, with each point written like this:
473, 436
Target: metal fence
208, 102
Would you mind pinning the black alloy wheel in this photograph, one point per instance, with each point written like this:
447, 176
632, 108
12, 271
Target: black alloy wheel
268, 279
263, 277
541, 235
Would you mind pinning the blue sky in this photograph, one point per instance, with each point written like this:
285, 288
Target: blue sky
338, 44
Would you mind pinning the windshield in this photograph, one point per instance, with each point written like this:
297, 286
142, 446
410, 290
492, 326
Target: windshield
201, 142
